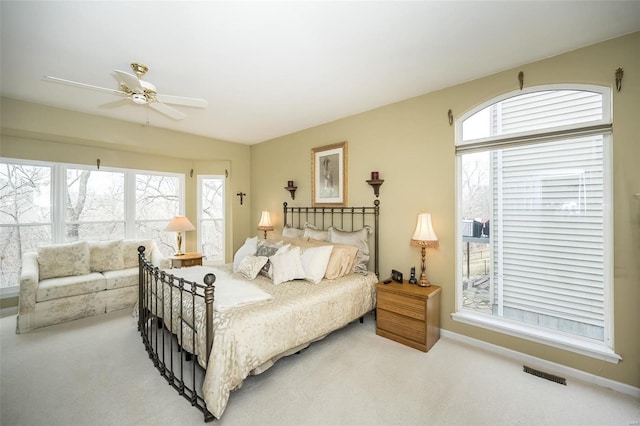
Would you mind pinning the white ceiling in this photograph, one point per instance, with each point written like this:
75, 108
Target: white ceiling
272, 68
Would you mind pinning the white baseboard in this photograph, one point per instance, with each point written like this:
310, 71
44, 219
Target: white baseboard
11, 310
551, 367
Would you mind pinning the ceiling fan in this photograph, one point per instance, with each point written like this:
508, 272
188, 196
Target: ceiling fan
133, 88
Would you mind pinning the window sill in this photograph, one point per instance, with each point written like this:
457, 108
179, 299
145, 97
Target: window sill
573, 344
9, 292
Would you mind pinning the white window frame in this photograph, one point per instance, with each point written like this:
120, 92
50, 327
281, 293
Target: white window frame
589, 347
58, 182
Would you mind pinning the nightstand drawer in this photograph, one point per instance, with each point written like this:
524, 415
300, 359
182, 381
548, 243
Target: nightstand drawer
185, 260
400, 325
401, 304
192, 262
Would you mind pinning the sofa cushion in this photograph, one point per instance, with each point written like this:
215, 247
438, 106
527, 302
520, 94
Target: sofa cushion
130, 251
122, 278
62, 260
106, 256
56, 288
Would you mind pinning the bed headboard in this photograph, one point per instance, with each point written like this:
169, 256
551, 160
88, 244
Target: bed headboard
344, 218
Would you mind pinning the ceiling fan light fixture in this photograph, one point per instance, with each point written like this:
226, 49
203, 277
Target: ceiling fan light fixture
133, 89
139, 98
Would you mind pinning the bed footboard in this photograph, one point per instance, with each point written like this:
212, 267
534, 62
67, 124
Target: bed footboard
175, 320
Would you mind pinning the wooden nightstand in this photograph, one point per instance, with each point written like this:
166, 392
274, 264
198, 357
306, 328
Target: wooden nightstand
187, 259
408, 314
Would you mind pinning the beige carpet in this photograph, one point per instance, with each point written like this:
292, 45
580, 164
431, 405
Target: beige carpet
95, 371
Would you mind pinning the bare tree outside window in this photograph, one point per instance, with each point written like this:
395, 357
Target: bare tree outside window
212, 217
157, 202
94, 205
25, 215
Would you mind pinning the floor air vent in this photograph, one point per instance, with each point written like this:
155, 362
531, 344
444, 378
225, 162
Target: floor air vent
544, 375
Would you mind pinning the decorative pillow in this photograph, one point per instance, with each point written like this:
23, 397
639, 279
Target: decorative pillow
315, 261
357, 239
63, 260
314, 233
341, 261
130, 251
269, 248
248, 248
106, 256
251, 265
287, 266
291, 232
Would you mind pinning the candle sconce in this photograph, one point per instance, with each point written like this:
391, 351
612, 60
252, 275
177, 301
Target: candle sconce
291, 188
375, 183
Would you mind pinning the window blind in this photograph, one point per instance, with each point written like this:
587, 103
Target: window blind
550, 234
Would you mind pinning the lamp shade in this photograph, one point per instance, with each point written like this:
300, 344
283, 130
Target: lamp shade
424, 233
178, 224
265, 222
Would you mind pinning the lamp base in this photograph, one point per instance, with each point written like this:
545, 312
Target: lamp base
423, 282
179, 238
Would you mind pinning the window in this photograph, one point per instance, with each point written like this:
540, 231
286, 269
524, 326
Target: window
25, 216
534, 216
158, 198
94, 205
46, 203
211, 223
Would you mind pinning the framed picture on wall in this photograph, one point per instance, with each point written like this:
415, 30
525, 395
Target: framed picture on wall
329, 175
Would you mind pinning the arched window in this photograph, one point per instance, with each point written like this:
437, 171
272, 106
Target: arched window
535, 228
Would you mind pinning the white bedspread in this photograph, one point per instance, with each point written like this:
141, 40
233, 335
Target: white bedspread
229, 291
251, 336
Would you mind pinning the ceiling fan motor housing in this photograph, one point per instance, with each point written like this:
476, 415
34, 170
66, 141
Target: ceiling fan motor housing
139, 98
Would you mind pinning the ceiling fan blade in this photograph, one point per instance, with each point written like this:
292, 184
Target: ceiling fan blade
167, 110
83, 85
115, 104
131, 81
180, 100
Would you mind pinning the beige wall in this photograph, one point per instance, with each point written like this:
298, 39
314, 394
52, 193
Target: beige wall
412, 146
36, 132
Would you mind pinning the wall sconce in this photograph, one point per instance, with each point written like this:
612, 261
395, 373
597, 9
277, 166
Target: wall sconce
375, 182
291, 188
179, 224
424, 236
265, 223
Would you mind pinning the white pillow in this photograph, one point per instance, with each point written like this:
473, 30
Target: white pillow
314, 233
251, 265
248, 248
287, 266
315, 261
291, 232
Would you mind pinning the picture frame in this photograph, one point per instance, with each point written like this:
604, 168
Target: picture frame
329, 175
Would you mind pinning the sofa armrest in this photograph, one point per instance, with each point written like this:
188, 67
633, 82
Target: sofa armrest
29, 279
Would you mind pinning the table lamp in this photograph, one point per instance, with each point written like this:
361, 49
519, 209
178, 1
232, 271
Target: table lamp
265, 223
179, 224
424, 236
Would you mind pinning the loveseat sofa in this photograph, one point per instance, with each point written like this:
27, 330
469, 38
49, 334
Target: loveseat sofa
64, 282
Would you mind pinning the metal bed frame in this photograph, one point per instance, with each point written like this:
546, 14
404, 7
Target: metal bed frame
183, 373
